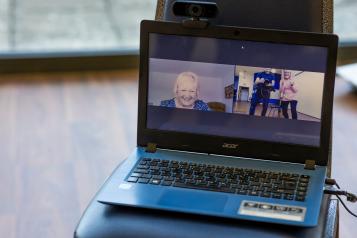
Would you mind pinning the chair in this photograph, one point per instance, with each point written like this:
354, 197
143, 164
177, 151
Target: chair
100, 220
273, 107
217, 106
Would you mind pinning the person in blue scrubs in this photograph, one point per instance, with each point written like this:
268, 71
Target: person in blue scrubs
261, 92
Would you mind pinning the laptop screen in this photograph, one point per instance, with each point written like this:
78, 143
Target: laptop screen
240, 89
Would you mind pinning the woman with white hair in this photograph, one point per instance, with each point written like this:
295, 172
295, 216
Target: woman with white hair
186, 91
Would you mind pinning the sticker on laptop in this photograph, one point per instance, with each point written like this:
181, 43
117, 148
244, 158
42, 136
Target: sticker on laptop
270, 210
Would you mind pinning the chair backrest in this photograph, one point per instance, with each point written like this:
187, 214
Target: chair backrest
217, 106
323, 9
160, 8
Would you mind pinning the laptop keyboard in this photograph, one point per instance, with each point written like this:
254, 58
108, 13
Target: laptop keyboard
220, 179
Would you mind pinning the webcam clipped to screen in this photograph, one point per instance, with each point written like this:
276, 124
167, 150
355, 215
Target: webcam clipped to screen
195, 9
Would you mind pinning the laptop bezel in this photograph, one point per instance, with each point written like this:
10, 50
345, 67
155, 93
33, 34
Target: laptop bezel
212, 144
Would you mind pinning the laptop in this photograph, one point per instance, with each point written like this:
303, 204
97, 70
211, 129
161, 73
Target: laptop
232, 122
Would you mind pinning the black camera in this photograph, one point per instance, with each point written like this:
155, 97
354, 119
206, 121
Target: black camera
195, 9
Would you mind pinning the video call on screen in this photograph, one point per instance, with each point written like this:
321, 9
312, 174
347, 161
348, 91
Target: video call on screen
238, 89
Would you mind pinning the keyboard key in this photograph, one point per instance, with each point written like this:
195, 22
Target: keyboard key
288, 197
142, 171
180, 180
136, 175
293, 179
254, 184
267, 185
227, 190
167, 174
174, 166
132, 179
290, 192
213, 184
303, 180
166, 183
302, 189
202, 183
236, 186
300, 194
303, 185
157, 177
276, 195
163, 164
143, 167
156, 172
290, 185
143, 180
190, 182
155, 181
300, 198
253, 193
266, 195
148, 176
224, 185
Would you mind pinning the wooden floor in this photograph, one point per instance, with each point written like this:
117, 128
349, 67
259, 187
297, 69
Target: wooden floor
61, 135
244, 107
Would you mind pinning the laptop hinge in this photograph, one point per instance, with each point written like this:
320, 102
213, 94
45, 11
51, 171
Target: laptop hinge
310, 164
151, 148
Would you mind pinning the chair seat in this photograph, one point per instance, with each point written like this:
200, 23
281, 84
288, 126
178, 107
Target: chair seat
100, 220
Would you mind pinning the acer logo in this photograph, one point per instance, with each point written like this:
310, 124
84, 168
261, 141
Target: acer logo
230, 146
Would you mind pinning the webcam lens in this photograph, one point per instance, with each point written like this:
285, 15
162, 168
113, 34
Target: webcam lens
195, 10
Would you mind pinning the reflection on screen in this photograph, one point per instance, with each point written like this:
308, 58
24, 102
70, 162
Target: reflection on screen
240, 89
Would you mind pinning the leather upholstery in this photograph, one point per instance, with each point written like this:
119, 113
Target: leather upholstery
107, 221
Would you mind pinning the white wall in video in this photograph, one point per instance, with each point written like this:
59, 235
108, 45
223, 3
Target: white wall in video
190, 85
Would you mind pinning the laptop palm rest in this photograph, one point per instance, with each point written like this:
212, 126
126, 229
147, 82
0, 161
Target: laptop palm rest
193, 200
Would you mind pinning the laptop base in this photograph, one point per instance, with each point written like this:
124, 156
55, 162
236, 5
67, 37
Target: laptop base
120, 192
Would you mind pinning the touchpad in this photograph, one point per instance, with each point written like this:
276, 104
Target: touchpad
193, 200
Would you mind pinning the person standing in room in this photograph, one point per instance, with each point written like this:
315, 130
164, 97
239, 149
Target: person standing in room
186, 91
261, 93
288, 92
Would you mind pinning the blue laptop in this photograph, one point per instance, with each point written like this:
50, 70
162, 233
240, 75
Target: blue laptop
232, 122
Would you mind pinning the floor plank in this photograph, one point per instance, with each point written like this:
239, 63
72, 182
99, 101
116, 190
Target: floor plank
61, 135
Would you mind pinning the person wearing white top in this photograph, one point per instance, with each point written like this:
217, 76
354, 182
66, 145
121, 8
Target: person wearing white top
288, 93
